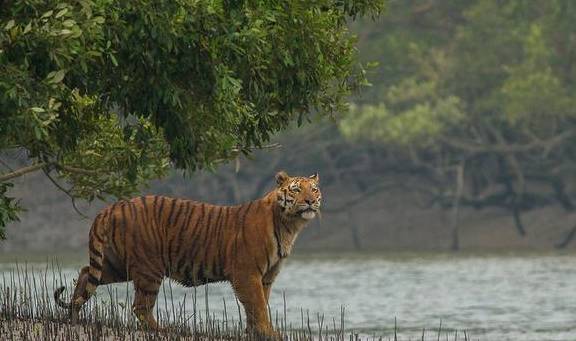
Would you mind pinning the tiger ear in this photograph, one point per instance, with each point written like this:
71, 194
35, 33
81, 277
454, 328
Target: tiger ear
315, 177
281, 177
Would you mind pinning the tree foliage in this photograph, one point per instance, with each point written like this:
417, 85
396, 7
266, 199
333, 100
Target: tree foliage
486, 88
102, 93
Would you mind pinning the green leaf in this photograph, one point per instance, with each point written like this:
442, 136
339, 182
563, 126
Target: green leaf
61, 13
113, 59
9, 25
47, 14
69, 23
28, 28
57, 76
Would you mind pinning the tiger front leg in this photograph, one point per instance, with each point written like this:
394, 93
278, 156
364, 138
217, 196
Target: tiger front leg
268, 280
144, 301
250, 293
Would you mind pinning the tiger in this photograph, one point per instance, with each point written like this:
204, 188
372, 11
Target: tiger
149, 238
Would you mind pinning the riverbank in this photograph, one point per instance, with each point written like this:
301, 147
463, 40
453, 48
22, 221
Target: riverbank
391, 220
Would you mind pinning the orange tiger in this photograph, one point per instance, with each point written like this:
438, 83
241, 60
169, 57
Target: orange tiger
148, 238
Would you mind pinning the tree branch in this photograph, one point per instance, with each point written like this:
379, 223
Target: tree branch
236, 151
22, 171
511, 148
76, 170
41, 165
47, 173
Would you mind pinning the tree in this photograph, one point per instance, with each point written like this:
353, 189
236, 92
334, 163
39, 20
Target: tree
103, 93
485, 110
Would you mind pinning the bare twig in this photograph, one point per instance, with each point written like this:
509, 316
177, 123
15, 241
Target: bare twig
72, 198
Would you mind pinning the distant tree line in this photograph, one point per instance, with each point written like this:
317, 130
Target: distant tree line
477, 97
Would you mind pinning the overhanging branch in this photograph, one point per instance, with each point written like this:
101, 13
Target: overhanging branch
22, 171
38, 166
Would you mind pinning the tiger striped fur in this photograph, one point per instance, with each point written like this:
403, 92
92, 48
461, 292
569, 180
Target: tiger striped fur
148, 238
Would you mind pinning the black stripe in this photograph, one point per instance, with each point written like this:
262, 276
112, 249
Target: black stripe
218, 267
154, 205
97, 219
93, 280
267, 257
258, 266
279, 247
181, 227
216, 226
144, 206
203, 229
113, 231
125, 225
194, 231
189, 212
178, 213
196, 234
277, 226
133, 212
159, 232
94, 263
174, 224
245, 213
97, 237
93, 248
161, 208
243, 224
169, 220
201, 261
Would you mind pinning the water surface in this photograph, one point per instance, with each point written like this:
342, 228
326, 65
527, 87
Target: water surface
492, 297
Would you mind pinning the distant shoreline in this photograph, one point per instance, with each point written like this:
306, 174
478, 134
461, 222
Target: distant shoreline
78, 257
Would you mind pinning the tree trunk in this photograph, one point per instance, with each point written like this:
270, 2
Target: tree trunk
456, 207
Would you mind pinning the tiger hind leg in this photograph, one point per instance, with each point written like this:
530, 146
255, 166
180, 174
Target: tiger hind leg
88, 280
79, 292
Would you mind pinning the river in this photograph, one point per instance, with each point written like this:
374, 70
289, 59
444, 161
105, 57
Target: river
491, 297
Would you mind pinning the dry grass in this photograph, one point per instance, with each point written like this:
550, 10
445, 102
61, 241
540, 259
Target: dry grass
28, 312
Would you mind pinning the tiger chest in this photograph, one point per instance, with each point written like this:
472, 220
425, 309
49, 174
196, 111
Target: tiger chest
284, 245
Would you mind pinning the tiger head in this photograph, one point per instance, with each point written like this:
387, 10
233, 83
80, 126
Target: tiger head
298, 196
